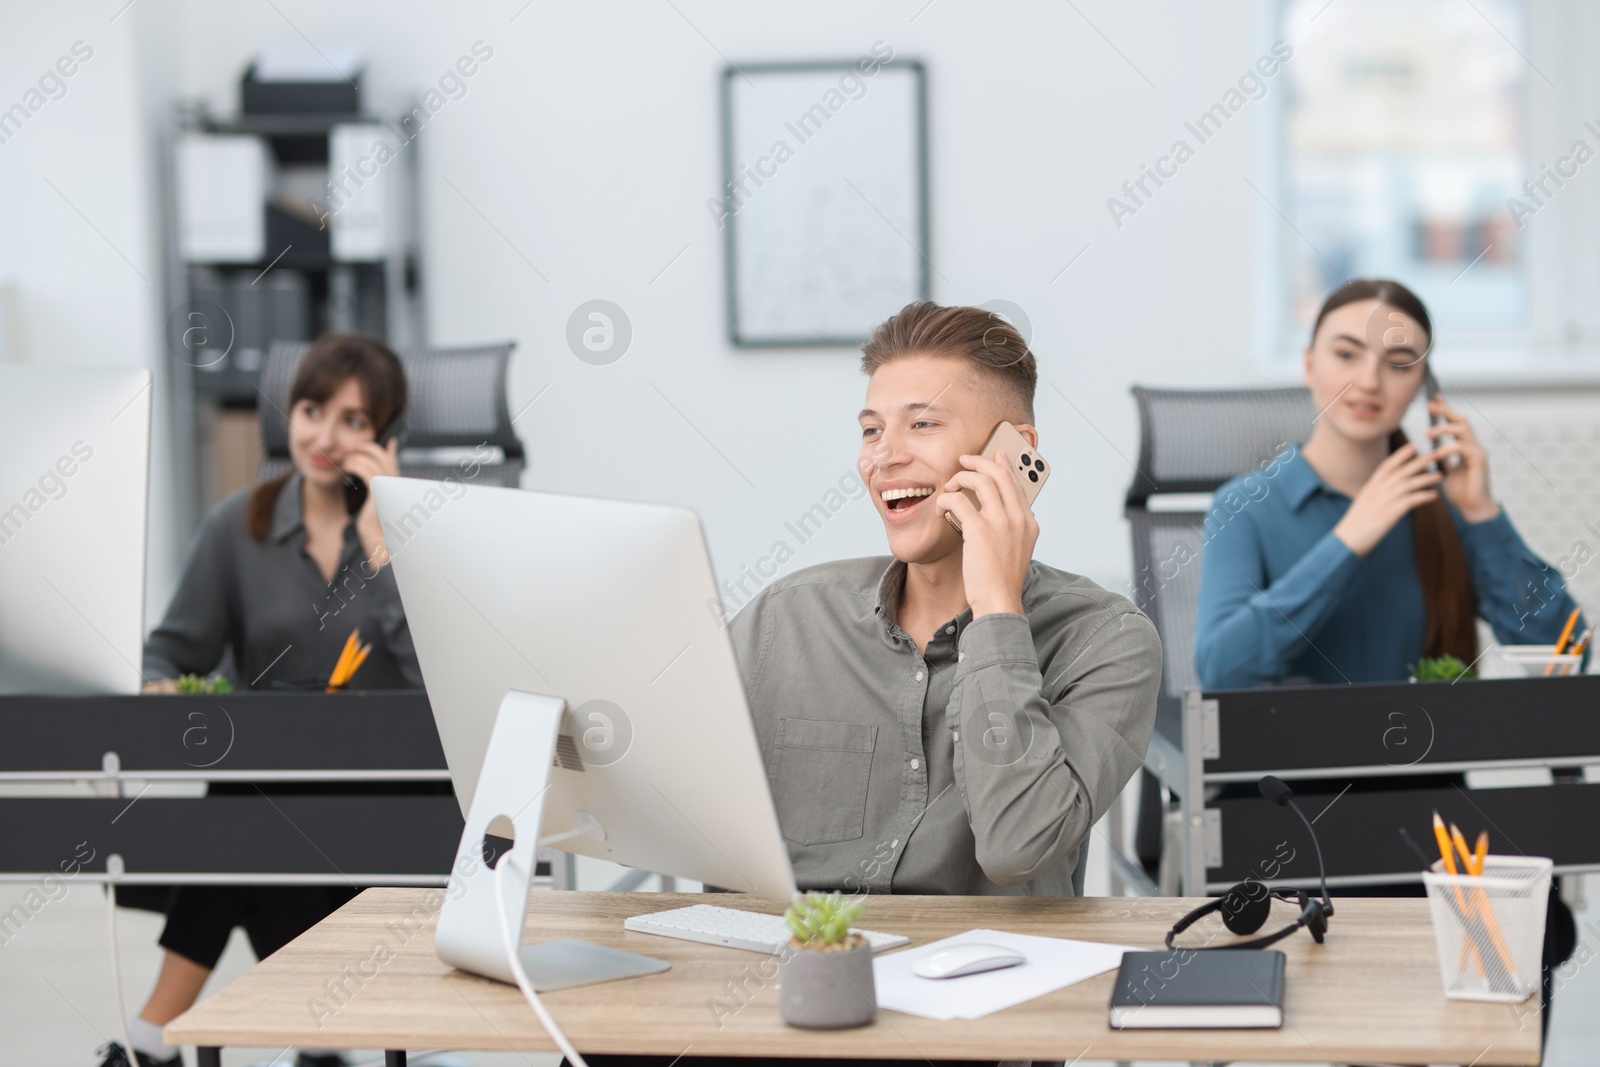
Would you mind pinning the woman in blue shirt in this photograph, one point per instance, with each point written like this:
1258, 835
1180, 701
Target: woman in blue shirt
1349, 559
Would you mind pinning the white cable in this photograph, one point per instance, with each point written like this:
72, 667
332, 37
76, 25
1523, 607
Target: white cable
514, 958
131, 1056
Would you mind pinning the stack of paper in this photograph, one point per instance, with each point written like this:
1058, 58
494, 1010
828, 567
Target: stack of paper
222, 196
1050, 963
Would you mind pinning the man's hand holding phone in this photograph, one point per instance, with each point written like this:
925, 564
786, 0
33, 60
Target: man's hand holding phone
998, 539
366, 462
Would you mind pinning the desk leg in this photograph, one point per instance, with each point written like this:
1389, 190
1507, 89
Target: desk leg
391, 1058
208, 1057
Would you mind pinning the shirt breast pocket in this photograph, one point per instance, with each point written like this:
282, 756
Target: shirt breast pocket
819, 779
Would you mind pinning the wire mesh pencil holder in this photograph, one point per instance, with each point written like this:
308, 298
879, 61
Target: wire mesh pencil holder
1540, 661
1490, 927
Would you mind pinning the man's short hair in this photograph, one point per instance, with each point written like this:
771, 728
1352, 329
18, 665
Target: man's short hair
981, 337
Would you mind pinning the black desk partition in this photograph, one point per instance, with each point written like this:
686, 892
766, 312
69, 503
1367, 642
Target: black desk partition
299, 788
1366, 760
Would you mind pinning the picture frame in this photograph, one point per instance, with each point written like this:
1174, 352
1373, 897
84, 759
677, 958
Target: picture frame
824, 205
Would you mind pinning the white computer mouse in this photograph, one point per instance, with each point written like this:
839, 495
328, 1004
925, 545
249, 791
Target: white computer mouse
959, 960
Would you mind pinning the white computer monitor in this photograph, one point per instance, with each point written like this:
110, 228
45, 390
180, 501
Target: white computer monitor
604, 604
74, 485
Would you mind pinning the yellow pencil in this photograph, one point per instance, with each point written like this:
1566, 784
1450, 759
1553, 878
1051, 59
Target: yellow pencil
1480, 908
1459, 840
1474, 864
1446, 853
336, 679
1485, 913
1566, 632
1580, 646
355, 664
1447, 856
351, 644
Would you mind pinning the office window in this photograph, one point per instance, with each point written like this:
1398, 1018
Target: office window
1402, 136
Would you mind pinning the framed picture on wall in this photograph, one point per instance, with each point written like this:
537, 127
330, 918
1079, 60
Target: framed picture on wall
825, 198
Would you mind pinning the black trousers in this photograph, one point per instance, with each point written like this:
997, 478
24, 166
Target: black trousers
200, 918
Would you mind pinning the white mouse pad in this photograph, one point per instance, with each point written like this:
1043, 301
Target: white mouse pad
1051, 962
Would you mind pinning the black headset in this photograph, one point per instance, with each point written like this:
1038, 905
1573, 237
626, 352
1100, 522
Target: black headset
1244, 908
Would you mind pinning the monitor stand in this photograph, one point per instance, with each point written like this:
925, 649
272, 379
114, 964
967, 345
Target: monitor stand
515, 776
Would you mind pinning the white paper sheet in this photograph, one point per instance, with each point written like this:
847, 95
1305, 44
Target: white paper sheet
1051, 962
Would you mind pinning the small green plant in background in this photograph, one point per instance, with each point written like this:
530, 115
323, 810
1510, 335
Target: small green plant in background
1441, 669
194, 683
822, 920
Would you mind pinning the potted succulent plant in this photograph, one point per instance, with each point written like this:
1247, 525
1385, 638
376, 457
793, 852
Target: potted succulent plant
1441, 669
825, 969
194, 683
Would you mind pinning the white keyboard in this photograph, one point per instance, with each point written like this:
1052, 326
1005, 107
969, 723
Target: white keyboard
733, 928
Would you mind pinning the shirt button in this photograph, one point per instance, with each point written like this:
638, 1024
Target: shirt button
915, 764
949, 629
960, 656
955, 735
919, 676
895, 843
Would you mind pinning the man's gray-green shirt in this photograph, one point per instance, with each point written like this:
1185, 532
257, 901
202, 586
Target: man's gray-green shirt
976, 767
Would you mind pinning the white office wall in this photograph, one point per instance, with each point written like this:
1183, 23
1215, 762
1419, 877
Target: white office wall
578, 164
79, 238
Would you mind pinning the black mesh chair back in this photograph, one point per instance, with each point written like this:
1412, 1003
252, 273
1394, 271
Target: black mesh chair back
456, 400
1192, 441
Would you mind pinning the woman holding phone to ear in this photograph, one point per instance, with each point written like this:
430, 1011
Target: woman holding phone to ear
1360, 559
279, 575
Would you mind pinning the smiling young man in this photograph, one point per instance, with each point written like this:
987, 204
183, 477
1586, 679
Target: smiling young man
955, 717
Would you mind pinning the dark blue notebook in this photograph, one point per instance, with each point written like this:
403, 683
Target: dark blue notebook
1185, 988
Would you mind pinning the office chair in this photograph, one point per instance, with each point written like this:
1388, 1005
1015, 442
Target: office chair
1190, 441
457, 401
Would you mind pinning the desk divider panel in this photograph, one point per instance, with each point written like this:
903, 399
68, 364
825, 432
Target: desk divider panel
379, 839
304, 788
1394, 727
1360, 836
220, 735
1366, 759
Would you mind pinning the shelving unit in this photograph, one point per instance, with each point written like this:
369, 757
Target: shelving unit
225, 315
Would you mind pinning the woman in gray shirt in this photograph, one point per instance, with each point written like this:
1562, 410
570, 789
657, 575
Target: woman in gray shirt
278, 576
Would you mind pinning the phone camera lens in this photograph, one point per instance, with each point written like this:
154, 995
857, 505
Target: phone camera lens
1033, 476
1026, 459
1039, 463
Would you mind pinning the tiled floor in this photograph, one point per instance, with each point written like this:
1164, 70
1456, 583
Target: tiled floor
56, 995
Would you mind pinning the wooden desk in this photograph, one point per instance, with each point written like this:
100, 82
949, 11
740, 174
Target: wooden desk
367, 977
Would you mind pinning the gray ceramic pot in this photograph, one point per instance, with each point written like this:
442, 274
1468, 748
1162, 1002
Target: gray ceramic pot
827, 990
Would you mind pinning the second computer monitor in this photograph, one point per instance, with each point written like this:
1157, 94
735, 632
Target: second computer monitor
74, 477
606, 604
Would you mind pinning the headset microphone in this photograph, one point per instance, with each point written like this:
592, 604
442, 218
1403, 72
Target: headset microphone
1277, 790
1245, 907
